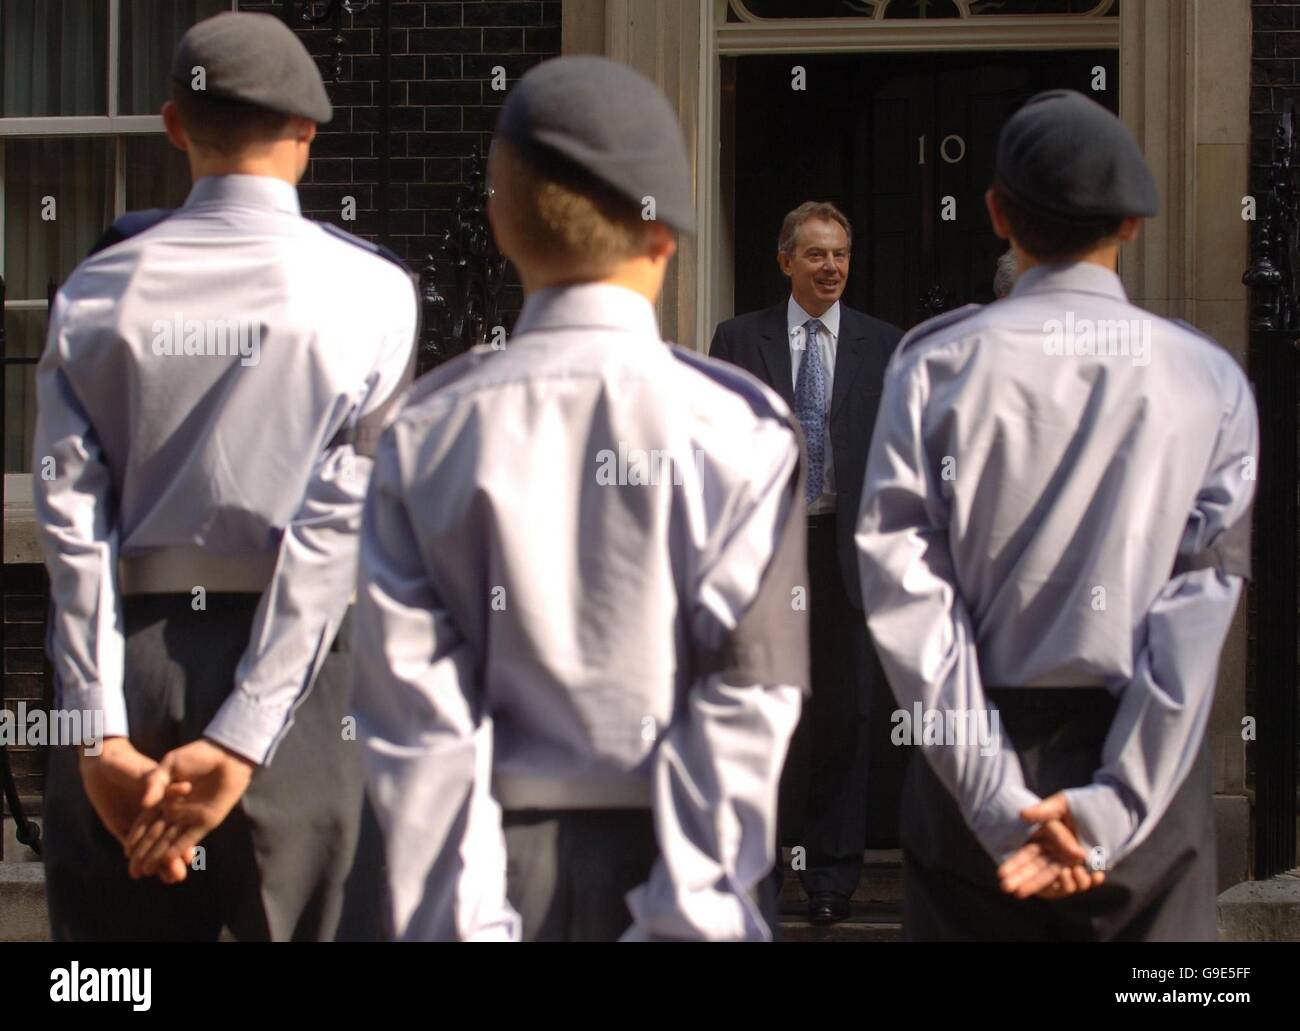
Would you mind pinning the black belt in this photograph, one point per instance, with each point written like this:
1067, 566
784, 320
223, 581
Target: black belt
1050, 699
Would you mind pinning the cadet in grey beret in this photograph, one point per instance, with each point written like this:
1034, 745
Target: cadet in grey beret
595, 117
252, 59
1067, 157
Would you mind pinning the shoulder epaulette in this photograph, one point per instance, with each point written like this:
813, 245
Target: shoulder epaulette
377, 249
126, 226
931, 326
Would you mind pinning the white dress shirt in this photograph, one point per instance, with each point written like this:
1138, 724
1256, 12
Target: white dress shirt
827, 338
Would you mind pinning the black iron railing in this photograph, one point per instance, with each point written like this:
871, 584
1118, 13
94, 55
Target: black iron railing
1274, 361
25, 830
450, 326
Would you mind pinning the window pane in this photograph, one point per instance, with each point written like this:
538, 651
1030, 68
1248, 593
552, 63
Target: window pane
58, 199
24, 336
55, 57
150, 31
157, 174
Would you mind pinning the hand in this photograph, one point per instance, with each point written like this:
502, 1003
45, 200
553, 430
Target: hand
190, 794
117, 782
1052, 864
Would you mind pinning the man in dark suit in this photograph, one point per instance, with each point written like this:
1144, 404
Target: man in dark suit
835, 398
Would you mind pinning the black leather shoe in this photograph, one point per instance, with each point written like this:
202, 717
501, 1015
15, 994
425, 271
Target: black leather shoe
827, 907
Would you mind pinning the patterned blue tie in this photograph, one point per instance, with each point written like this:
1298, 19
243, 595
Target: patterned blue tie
810, 409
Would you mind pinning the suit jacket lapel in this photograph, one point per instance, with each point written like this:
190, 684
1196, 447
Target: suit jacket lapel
850, 351
775, 348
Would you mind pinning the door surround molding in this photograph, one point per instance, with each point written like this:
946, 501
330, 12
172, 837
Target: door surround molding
679, 44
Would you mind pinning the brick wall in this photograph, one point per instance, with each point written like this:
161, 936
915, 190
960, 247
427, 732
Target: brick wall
443, 56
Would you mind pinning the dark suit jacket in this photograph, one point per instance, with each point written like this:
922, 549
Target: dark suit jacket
760, 343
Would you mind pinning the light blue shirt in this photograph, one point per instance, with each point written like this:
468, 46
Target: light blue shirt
1037, 468
192, 379
558, 538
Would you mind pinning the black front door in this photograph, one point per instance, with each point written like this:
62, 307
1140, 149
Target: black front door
905, 145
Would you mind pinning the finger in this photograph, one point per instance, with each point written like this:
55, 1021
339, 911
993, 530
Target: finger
1058, 838
140, 826
144, 845
155, 786
1024, 874
173, 871
152, 858
1015, 862
1053, 807
1044, 878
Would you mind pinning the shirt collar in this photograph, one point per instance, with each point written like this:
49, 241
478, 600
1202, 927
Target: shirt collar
588, 306
795, 317
1079, 277
252, 191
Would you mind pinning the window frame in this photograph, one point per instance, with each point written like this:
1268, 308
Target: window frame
114, 125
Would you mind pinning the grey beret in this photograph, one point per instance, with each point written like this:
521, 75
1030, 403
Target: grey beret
606, 121
252, 59
1065, 155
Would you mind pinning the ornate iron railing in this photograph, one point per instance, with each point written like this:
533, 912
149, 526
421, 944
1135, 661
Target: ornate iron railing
450, 326
1274, 281
25, 830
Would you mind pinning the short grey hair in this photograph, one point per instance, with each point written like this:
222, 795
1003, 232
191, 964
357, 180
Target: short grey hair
1005, 277
805, 212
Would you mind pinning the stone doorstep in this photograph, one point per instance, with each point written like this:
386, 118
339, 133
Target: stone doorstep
22, 903
1262, 910
881, 884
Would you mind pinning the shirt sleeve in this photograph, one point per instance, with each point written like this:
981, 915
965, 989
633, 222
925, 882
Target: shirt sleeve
1163, 711
717, 768
921, 626
76, 512
427, 739
315, 572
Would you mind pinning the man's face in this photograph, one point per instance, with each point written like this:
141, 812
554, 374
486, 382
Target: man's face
819, 267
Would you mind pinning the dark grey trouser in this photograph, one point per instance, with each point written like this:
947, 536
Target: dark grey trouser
276, 868
568, 870
824, 783
1162, 891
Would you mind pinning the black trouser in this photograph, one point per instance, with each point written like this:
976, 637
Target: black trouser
276, 867
824, 784
1162, 891
568, 871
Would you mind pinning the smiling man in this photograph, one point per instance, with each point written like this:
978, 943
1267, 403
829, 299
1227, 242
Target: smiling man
835, 396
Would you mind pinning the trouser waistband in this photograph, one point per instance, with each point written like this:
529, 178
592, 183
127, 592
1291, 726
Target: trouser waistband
516, 791
181, 569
